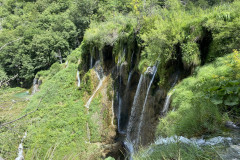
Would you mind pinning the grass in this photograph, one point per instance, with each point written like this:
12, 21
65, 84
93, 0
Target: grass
58, 128
177, 151
12, 103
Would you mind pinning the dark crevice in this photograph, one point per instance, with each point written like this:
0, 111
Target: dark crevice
204, 45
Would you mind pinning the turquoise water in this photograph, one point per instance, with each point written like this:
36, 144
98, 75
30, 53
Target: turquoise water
22, 94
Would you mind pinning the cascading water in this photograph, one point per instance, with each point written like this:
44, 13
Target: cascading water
120, 101
119, 71
35, 86
129, 79
166, 103
91, 59
99, 73
91, 62
78, 78
145, 101
94, 93
66, 64
20, 148
130, 140
168, 98
113, 112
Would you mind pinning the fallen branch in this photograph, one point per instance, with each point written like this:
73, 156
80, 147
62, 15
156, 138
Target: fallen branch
10, 43
2, 83
4, 124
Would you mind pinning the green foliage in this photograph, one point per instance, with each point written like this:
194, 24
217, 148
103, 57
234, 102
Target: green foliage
177, 150
59, 125
109, 158
191, 54
224, 24
3, 75
177, 25
75, 55
202, 100
116, 28
40, 33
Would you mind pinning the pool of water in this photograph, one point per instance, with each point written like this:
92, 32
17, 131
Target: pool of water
22, 94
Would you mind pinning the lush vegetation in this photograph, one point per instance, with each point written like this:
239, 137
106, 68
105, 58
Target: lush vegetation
58, 127
12, 102
205, 101
53, 39
34, 35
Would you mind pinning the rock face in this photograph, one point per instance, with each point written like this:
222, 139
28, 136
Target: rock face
137, 100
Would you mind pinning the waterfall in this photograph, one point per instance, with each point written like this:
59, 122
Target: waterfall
129, 79
120, 101
91, 58
94, 93
35, 86
91, 62
78, 78
66, 64
119, 71
166, 103
145, 101
168, 98
130, 148
130, 141
20, 148
99, 73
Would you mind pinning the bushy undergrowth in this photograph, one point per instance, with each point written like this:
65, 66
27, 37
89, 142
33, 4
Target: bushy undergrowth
204, 101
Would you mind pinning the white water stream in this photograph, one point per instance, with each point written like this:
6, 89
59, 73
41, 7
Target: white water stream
94, 93
91, 98
35, 86
20, 148
119, 96
129, 141
168, 98
145, 102
78, 77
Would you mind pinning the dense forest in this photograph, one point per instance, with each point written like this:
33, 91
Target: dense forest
120, 79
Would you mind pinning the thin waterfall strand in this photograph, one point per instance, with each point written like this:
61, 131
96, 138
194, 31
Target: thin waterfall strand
145, 101
78, 78
133, 111
35, 85
119, 71
94, 93
20, 148
168, 98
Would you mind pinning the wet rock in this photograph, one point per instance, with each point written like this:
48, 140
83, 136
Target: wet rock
231, 125
231, 153
112, 150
